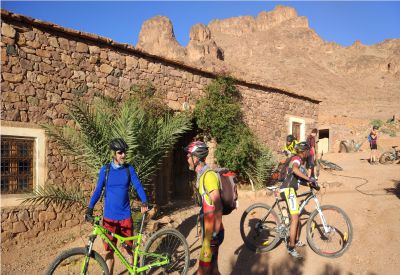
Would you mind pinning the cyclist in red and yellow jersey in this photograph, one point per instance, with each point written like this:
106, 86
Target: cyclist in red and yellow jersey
208, 187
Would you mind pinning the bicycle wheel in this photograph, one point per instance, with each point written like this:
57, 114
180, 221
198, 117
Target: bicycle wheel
337, 237
386, 158
330, 165
72, 261
259, 230
171, 243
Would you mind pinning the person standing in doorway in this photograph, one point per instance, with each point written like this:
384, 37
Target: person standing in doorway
311, 141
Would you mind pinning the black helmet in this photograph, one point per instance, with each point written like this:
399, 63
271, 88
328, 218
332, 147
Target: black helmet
118, 144
290, 138
198, 149
375, 127
302, 146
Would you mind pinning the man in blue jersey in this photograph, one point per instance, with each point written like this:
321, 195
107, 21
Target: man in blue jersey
114, 179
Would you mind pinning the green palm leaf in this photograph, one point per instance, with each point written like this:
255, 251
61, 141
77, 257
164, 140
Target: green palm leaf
56, 195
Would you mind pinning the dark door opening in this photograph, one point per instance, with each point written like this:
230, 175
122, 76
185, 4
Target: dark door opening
173, 179
323, 133
182, 177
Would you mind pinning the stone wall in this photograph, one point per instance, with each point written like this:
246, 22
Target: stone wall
20, 223
46, 67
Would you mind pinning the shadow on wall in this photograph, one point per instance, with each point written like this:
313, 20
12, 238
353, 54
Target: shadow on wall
396, 189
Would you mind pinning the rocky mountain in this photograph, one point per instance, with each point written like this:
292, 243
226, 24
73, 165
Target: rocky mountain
279, 49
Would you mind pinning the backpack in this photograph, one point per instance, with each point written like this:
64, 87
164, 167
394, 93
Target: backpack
283, 168
228, 189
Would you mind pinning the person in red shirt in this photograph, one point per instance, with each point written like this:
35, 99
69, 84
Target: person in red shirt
311, 141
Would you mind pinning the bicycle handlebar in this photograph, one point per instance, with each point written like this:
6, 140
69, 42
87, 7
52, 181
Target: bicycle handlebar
97, 219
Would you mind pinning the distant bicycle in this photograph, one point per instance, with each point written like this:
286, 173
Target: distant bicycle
326, 165
329, 230
390, 156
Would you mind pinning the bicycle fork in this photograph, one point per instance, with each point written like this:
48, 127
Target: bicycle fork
327, 228
89, 247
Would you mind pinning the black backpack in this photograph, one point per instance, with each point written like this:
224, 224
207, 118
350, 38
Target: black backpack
283, 169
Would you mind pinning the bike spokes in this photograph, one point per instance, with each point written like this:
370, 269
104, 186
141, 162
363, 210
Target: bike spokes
171, 246
259, 229
330, 234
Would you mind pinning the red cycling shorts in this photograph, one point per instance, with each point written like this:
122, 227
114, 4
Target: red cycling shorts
123, 228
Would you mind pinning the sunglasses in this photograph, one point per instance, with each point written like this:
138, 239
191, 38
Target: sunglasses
121, 152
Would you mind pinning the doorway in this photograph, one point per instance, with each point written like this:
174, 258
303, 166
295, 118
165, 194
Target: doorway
323, 141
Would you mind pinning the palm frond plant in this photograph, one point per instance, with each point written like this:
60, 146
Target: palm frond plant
150, 138
261, 171
57, 195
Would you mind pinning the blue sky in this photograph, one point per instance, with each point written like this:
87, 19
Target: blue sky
341, 22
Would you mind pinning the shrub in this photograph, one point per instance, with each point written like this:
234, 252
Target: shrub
219, 115
377, 122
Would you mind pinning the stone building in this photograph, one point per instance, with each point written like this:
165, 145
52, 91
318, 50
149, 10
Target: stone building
44, 67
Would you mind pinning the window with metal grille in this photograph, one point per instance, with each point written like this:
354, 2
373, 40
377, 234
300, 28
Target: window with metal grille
16, 165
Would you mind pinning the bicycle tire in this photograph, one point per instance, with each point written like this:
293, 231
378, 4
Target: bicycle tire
257, 230
164, 241
345, 233
70, 262
387, 158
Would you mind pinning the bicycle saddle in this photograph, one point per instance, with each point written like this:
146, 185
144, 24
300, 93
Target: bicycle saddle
272, 188
395, 147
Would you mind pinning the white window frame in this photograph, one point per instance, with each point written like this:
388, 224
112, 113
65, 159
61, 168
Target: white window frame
39, 160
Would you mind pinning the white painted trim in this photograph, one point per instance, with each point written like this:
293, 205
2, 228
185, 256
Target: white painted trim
302, 127
40, 169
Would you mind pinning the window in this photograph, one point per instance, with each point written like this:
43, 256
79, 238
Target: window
23, 161
16, 165
297, 128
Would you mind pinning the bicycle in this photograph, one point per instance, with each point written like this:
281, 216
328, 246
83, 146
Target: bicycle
390, 156
329, 229
166, 250
325, 164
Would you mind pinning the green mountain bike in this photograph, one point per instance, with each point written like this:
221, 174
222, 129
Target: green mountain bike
166, 252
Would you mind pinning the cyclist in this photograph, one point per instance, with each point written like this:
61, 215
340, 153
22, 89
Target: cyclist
296, 174
117, 212
289, 149
208, 187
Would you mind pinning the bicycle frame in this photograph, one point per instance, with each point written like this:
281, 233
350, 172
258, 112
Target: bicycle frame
98, 230
309, 196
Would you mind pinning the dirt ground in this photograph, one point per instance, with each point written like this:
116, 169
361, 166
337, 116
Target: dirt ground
369, 194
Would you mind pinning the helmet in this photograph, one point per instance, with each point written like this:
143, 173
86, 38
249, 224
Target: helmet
375, 127
198, 149
290, 138
118, 144
302, 146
